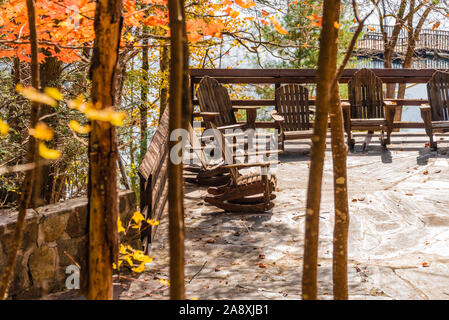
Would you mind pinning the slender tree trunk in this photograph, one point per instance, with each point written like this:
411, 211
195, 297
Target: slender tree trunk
341, 223
32, 157
144, 97
413, 35
186, 92
390, 45
325, 74
175, 179
164, 64
102, 187
50, 76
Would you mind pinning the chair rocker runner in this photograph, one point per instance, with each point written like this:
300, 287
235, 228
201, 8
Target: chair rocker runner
243, 193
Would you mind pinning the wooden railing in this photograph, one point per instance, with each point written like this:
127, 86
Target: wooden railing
153, 180
307, 76
428, 40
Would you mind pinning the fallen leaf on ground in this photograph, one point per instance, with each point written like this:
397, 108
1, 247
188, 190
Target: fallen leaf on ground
425, 172
210, 240
425, 264
261, 256
261, 265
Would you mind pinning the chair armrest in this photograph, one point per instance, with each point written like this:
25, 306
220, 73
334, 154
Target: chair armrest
390, 105
424, 108
251, 114
236, 108
426, 115
276, 117
207, 116
248, 165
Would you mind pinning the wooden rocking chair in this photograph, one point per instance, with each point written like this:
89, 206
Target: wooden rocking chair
209, 174
292, 113
436, 115
215, 104
214, 173
367, 109
243, 193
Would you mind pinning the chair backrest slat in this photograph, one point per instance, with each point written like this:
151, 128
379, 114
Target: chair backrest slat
438, 93
366, 95
292, 102
213, 97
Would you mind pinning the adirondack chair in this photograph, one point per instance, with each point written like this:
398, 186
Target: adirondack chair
367, 110
292, 113
436, 115
243, 193
211, 172
214, 99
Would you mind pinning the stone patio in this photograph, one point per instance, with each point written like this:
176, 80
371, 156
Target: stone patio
399, 235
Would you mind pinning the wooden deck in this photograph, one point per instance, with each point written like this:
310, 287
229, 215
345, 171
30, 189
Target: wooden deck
399, 235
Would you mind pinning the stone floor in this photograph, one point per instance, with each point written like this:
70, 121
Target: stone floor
399, 232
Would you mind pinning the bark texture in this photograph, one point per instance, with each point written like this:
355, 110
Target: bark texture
325, 74
175, 179
31, 157
102, 188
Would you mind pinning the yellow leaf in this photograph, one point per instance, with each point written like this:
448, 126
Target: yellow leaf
138, 217
163, 281
129, 260
75, 104
54, 93
75, 126
120, 226
337, 25
116, 118
4, 128
140, 268
153, 222
48, 153
42, 132
34, 95
140, 256
122, 249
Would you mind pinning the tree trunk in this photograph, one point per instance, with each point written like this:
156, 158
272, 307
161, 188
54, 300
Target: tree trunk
143, 99
325, 74
341, 223
164, 63
102, 186
413, 35
32, 157
50, 74
175, 179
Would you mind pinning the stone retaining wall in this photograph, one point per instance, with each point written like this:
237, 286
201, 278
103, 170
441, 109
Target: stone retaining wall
52, 233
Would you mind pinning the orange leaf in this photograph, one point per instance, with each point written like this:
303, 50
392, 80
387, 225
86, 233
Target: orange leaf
265, 13
278, 26
436, 25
